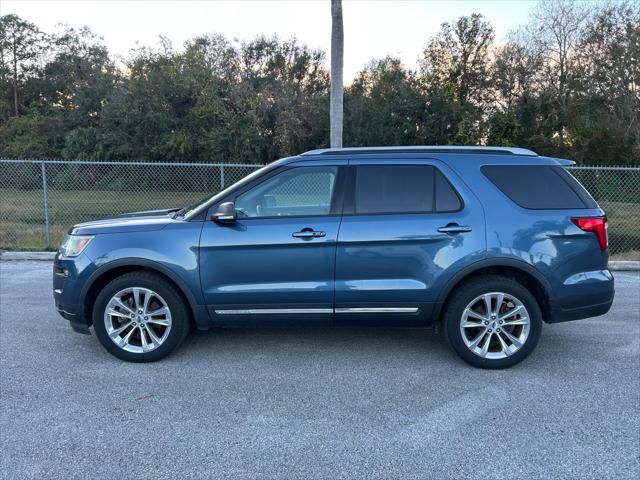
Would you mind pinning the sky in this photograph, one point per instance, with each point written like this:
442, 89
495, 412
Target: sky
372, 28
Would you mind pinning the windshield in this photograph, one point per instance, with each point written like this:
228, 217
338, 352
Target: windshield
180, 212
192, 210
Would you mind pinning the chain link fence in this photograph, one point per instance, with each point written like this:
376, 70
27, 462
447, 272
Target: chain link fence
39, 200
617, 191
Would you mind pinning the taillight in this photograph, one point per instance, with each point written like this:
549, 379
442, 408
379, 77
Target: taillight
597, 225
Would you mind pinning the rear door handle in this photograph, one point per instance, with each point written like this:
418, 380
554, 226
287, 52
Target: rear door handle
308, 233
454, 228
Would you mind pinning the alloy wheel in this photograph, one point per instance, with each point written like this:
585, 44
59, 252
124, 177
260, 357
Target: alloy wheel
137, 319
495, 325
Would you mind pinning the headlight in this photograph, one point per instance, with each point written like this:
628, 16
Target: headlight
73, 245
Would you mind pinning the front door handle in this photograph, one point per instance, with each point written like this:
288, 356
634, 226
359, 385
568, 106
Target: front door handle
453, 228
308, 233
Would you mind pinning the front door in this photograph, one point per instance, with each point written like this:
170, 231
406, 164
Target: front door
406, 226
276, 263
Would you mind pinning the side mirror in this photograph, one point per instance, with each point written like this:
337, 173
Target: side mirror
226, 213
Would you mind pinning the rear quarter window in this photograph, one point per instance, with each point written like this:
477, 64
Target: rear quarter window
447, 199
539, 187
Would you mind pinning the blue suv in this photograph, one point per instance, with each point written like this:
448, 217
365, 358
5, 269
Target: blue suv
486, 243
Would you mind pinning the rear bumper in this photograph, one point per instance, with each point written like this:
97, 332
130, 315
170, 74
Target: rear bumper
586, 295
577, 313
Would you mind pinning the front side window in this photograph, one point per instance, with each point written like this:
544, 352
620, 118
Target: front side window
403, 189
299, 191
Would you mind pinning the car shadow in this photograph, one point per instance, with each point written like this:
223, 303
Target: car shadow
316, 341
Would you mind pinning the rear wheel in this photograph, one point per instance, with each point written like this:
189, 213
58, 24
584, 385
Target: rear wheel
492, 322
140, 317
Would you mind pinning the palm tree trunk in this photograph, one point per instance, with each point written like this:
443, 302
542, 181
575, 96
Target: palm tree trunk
337, 86
15, 75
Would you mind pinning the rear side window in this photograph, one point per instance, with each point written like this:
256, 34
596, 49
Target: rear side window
403, 189
539, 187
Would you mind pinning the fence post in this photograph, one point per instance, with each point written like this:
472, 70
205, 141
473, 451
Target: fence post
221, 177
45, 198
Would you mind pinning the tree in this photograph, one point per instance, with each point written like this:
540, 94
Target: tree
73, 86
565, 85
515, 77
456, 59
555, 27
21, 44
337, 84
385, 106
455, 66
287, 86
604, 115
515, 72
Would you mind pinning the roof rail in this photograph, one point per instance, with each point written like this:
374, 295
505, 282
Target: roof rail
423, 149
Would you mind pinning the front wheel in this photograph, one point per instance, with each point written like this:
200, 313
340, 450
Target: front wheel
140, 317
492, 322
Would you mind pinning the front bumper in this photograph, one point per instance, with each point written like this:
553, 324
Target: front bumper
76, 319
68, 278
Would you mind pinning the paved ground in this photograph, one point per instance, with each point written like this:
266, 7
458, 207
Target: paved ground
322, 403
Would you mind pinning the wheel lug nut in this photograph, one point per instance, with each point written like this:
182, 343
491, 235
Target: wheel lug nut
133, 315
146, 318
489, 330
500, 322
140, 312
486, 323
497, 330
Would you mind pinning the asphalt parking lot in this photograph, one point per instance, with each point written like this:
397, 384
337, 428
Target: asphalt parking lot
314, 403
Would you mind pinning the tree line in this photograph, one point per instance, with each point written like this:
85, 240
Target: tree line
565, 84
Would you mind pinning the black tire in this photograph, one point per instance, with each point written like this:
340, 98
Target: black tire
180, 315
465, 294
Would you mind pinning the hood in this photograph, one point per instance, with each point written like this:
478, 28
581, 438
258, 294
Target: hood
146, 213
127, 222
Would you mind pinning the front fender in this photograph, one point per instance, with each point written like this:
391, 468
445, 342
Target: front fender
147, 264
172, 251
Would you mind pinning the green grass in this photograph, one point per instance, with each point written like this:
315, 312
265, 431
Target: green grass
22, 218
624, 229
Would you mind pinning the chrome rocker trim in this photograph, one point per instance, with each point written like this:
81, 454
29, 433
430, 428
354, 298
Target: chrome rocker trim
260, 311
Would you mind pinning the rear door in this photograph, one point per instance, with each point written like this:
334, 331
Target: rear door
407, 226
